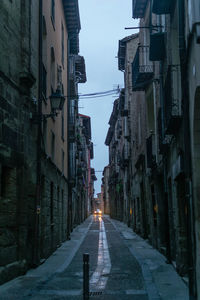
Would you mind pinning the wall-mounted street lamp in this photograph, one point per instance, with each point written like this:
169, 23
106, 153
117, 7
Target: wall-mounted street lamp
57, 100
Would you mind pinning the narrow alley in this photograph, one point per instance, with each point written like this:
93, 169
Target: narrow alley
100, 149
122, 266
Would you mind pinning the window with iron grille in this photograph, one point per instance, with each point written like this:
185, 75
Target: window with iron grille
7, 174
63, 161
53, 11
62, 120
44, 82
52, 146
62, 45
51, 203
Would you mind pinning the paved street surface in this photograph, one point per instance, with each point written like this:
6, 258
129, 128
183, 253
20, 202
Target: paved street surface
122, 266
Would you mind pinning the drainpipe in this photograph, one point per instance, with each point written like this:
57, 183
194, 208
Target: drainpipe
69, 206
36, 254
155, 121
187, 151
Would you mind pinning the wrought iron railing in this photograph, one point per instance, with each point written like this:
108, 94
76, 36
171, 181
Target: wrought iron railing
142, 68
151, 158
160, 7
173, 103
139, 7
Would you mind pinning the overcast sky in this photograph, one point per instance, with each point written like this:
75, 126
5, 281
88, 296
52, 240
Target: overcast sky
102, 26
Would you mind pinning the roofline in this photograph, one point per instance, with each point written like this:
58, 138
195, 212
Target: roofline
84, 116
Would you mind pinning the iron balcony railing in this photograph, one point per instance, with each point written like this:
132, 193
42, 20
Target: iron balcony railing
150, 150
139, 8
173, 103
72, 122
72, 131
142, 69
161, 7
44, 82
157, 46
160, 133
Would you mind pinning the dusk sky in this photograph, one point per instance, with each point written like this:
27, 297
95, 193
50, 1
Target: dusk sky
102, 26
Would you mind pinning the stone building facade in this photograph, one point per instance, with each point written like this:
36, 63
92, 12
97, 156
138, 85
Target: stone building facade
18, 94
37, 145
53, 218
105, 186
159, 200
115, 184
192, 19
86, 180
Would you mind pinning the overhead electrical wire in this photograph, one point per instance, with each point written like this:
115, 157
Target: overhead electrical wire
96, 95
99, 94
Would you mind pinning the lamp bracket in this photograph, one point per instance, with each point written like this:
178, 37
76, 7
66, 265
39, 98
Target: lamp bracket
36, 119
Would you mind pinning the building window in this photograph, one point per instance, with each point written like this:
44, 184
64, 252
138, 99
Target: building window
62, 120
53, 11
62, 215
62, 124
52, 146
63, 161
44, 131
51, 203
44, 82
5, 187
44, 42
58, 197
53, 68
62, 45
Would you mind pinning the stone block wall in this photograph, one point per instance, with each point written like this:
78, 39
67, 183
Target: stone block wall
54, 209
17, 136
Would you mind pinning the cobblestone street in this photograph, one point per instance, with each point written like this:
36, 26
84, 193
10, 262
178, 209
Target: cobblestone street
116, 270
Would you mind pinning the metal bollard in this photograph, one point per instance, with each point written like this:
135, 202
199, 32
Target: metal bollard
86, 276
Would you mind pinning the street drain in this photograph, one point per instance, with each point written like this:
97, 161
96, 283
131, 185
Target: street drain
96, 293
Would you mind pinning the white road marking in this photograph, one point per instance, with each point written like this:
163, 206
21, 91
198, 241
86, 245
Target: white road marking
99, 278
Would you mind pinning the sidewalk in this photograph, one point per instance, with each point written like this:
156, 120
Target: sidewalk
168, 283
56, 263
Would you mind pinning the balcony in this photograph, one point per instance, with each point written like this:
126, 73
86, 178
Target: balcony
122, 103
79, 172
124, 158
139, 7
121, 55
172, 96
142, 69
123, 163
157, 46
91, 150
80, 69
71, 10
164, 141
161, 7
72, 132
119, 129
151, 157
